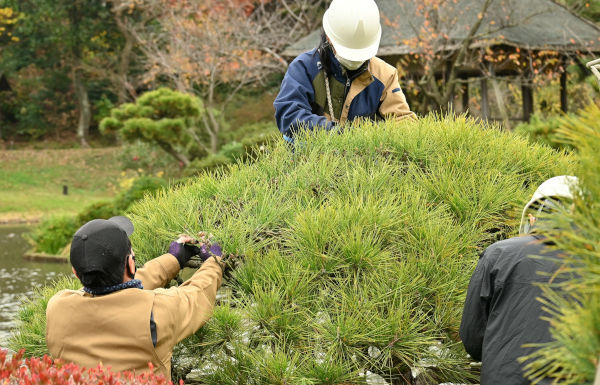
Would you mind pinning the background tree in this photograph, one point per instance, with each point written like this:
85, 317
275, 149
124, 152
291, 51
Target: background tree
216, 49
452, 35
586, 8
163, 117
81, 53
57, 37
117, 63
8, 18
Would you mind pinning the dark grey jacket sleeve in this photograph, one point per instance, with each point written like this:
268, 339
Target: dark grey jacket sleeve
477, 305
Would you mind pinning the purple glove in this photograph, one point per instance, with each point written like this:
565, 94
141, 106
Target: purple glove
206, 252
185, 251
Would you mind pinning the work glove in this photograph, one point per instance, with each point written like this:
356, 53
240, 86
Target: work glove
184, 251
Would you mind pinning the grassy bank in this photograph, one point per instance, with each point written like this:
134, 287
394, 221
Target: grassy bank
31, 181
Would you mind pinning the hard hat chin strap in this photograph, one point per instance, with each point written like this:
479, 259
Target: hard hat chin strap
547, 205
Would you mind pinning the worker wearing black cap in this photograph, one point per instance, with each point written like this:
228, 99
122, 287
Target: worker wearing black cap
123, 318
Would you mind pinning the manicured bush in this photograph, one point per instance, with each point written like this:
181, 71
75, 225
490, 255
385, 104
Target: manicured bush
356, 249
166, 118
53, 233
575, 305
543, 130
549, 131
248, 148
37, 371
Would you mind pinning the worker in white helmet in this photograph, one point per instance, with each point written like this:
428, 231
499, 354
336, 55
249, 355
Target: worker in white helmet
502, 315
341, 80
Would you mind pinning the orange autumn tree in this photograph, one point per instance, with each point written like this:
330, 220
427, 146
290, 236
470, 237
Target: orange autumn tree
208, 48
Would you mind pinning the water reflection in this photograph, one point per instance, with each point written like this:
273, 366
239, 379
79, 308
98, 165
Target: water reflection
18, 277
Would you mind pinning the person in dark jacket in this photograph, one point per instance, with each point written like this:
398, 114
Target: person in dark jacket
342, 79
502, 313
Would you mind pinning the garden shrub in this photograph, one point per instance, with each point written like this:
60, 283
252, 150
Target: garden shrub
144, 158
210, 163
356, 249
54, 233
543, 130
549, 131
33, 371
140, 187
575, 305
102, 209
249, 148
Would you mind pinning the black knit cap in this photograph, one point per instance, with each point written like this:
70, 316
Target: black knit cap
98, 251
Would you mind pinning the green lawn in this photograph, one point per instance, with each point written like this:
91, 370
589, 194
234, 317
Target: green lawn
31, 181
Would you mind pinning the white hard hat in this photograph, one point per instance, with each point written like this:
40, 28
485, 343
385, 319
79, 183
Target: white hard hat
557, 187
353, 27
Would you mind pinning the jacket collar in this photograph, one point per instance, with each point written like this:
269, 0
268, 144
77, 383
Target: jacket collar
134, 283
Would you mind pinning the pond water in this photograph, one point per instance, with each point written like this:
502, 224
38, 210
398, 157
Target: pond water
18, 277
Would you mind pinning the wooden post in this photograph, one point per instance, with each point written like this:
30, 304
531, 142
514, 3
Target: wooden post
450, 105
485, 108
527, 93
563, 92
465, 96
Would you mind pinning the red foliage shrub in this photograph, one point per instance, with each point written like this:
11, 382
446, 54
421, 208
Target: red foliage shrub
41, 371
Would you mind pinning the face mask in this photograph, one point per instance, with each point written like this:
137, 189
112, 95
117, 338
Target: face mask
349, 64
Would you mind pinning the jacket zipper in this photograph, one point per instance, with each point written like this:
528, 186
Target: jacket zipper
349, 81
346, 90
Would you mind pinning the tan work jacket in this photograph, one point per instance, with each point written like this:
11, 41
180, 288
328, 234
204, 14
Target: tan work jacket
373, 92
114, 329
392, 102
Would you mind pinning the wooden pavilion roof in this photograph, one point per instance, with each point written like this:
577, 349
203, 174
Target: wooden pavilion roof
527, 24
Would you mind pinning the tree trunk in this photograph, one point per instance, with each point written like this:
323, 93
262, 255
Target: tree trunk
212, 128
177, 155
83, 104
123, 87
